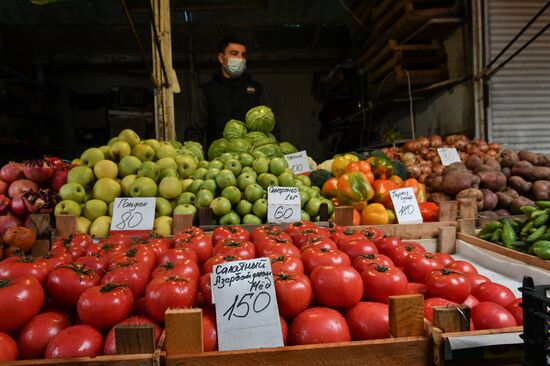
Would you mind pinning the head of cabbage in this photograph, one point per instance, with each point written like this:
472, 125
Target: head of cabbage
260, 118
287, 148
238, 146
216, 148
270, 149
234, 129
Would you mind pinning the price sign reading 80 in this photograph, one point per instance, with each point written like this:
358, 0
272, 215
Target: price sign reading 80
133, 214
129, 220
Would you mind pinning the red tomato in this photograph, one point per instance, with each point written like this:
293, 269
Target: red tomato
516, 310
52, 261
235, 247
211, 262
284, 330
138, 254
178, 254
435, 301
20, 299
158, 244
314, 257
263, 231
380, 282
368, 320
286, 263
476, 279
301, 237
362, 262
209, 331
118, 238
134, 275
109, 346
106, 249
356, 248
185, 234
183, 268
74, 244
104, 306
75, 341
201, 244
462, 267
416, 288
400, 254
450, 285
276, 245
493, 292
206, 288
229, 232
443, 258
96, 262
488, 315
337, 286
8, 348
319, 242
173, 292
319, 325
341, 237
419, 265
373, 234
385, 245
38, 332
294, 293
296, 227
67, 282
139, 307
24, 266
470, 301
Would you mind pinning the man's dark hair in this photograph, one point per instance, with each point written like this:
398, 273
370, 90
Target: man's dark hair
227, 40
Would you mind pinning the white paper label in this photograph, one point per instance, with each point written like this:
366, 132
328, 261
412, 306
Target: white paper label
283, 204
448, 155
406, 206
246, 305
298, 162
133, 214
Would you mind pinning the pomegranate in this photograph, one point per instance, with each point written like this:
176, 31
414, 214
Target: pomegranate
18, 207
59, 178
8, 221
38, 170
3, 186
4, 204
43, 201
11, 172
21, 186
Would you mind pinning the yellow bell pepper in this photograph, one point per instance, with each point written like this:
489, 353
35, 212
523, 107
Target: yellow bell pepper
340, 163
391, 216
375, 214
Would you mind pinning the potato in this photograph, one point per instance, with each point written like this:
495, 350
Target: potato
493, 163
454, 167
518, 203
540, 173
503, 212
493, 180
438, 197
490, 200
543, 160
485, 168
511, 192
436, 184
528, 156
504, 201
472, 193
520, 184
507, 172
522, 168
473, 162
487, 214
508, 158
541, 190
457, 181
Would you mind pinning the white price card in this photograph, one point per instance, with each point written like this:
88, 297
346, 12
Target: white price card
247, 315
133, 215
448, 155
298, 162
406, 206
283, 204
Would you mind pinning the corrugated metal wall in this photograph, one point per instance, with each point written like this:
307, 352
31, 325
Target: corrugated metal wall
519, 94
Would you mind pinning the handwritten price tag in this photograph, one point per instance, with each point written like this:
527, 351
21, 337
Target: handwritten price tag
298, 162
246, 305
283, 204
133, 215
448, 155
406, 206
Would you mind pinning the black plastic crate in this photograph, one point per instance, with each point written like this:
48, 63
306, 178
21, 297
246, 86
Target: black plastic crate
536, 315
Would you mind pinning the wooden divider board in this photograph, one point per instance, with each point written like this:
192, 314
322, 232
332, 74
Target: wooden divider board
411, 231
118, 360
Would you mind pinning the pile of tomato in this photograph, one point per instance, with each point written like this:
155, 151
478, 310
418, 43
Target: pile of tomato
332, 285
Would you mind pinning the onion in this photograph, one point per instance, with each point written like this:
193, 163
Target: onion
438, 169
425, 168
21, 186
11, 172
8, 221
414, 170
422, 178
491, 153
494, 146
474, 150
412, 146
423, 141
424, 152
436, 159
450, 140
464, 156
436, 141
461, 144
408, 158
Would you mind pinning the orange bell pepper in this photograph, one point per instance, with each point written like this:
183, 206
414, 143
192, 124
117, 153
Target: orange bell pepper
381, 166
330, 186
419, 189
361, 167
356, 217
382, 188
353, 189
374, 214
397, 179
341, 162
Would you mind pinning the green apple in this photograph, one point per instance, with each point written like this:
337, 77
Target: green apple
260, 208
209, 184
203, 164
286, 179
217, 164
106, 169
186, 198
83, 225
250, 219
165, 150
186, 165
72, 191
186, 209
304, 216
249, 170
204, 197
185, 183
67, 207
149, 169
234, 165
258, 154
165, 163
111, 208
95, 208
304, 179
260, 165
143, 152
267, 179
129, 136
195, 186
246, 159
243, 207
312, 206
119, 150
106, 150
304, 197
106, 189
230, 218
126, 183
81, 175
212, 173
112, 141
277, 166
128, 165
163, 207
232, 193
312, 192
89, 195
91, 156
317, 189
245, 179
101, 226
143, 187
220, 206
170, 188
176, 144
225, 157
163, 225
200, 173
225, 178
253, 192
169, 173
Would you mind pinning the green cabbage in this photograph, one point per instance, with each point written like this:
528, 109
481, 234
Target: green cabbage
271, 137
260, 118
270, 149
255, 136
287, 148
217, 147
234, 129
193, 148
238, 146
176, 144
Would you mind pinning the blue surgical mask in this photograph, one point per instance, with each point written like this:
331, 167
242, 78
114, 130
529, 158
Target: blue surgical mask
235, 66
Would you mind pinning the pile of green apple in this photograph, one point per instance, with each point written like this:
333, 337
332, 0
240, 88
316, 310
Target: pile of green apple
233, 186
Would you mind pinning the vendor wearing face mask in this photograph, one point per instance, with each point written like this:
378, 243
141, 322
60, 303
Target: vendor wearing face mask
229, 95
